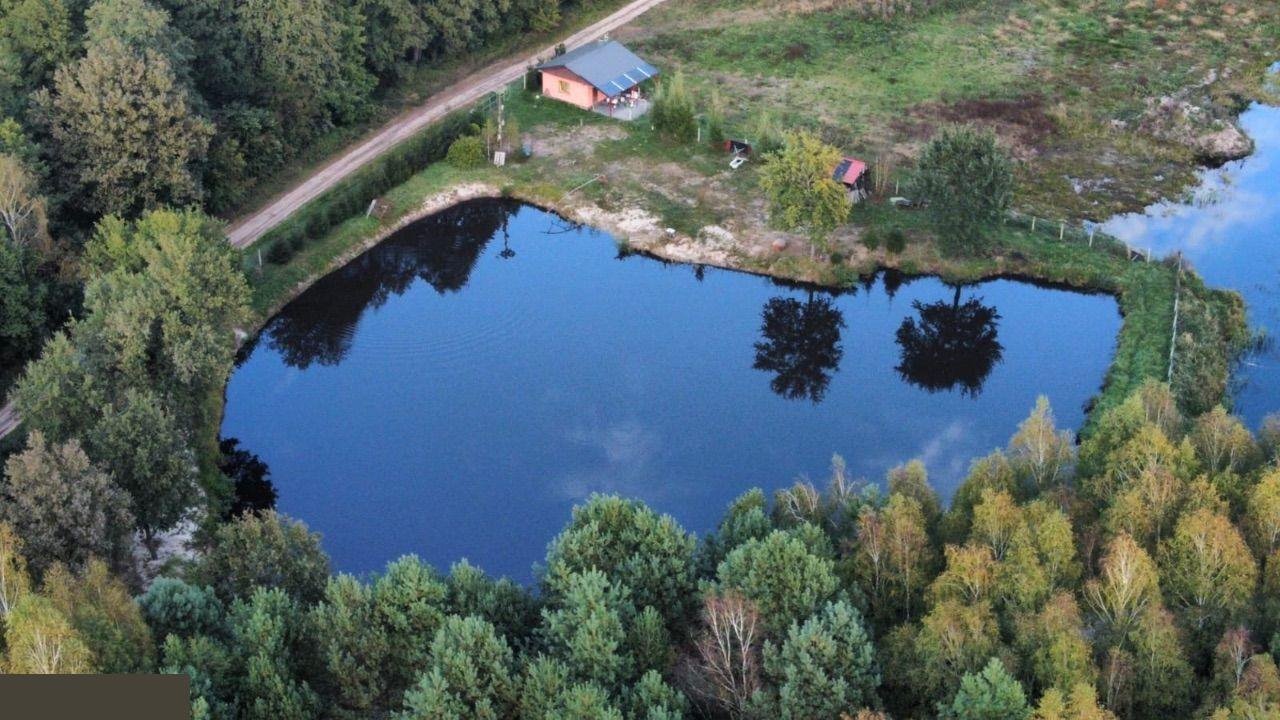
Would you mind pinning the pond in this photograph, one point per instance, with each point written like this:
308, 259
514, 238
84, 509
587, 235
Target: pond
456, 389
1230, 232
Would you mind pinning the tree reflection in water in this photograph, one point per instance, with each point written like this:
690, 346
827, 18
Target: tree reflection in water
952, 345
441, 249
800, 345
253, 491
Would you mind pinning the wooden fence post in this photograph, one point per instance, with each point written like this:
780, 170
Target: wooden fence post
1062, 231
1091, 232
1033, 223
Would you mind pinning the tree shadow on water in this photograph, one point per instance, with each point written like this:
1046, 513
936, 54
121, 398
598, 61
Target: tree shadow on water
801, 345
952, 346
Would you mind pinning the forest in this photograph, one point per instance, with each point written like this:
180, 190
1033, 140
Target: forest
113, 108
1132, 576
1133, 572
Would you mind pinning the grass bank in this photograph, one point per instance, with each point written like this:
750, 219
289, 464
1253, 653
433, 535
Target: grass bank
1144, 290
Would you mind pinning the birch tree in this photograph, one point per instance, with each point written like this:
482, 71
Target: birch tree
22, 210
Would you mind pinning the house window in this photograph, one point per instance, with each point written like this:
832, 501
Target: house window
564, 86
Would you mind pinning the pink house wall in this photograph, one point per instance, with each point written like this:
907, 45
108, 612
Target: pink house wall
567, 87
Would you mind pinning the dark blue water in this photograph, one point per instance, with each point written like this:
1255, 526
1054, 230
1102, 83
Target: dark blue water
455, 390
1230, 232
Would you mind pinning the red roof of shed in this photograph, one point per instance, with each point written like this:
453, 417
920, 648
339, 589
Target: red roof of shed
849, 170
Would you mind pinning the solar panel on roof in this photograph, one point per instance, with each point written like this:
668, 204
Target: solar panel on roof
607, 65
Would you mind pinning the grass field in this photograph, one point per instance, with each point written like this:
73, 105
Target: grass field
1068, 86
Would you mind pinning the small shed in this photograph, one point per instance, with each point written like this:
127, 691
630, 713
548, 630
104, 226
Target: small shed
852, 173
600, 73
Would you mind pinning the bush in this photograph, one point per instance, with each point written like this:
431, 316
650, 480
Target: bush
765, 134
871, 239
672, 113
467, 153
350, 197
895, 241
715, 119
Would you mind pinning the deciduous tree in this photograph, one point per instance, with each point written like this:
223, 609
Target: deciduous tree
125, 131
1040, 451
1079, 703
66, 509
1126, 586
22, 209
104, 615
1262, 514
149, 457
267, 550
729, 651
15, 581
802, 195
954, 639
41, 641
1208, 571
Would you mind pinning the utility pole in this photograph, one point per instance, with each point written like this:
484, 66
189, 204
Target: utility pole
501, 118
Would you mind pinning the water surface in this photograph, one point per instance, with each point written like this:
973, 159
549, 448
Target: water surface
1230, 232
455, 390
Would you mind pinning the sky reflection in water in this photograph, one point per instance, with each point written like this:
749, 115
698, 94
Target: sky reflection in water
454, 391
1230, 232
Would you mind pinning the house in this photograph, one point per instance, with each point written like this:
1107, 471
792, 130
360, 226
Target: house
603, 76
852, 173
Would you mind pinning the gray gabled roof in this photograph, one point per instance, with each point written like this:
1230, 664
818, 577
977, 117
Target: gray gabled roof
607, 65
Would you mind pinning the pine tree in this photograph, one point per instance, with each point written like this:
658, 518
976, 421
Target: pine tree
822, 667
993, 694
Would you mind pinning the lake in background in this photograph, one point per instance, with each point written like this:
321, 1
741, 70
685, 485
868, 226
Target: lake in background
454, 391
1230, 233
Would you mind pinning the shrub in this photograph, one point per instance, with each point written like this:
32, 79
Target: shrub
467, 153
871, 239
764, 134
280, 253
350, 197
895, 241
715, 119
672, 113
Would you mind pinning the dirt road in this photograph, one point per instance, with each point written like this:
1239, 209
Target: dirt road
471, 88
464, 92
